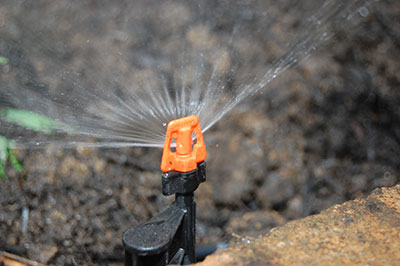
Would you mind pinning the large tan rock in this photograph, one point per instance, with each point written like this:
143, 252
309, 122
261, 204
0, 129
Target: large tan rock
359, 232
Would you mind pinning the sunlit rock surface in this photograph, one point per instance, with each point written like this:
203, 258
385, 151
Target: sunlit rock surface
359, 232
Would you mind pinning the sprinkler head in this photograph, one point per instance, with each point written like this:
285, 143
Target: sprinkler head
188, 151
183, 160
170, 237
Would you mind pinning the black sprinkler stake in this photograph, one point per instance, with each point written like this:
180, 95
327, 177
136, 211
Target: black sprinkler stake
170, 237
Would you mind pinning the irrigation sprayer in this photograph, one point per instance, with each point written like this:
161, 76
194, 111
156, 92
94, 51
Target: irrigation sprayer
188, 57
169, 238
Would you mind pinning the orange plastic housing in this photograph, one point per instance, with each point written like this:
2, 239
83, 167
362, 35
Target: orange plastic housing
185, 156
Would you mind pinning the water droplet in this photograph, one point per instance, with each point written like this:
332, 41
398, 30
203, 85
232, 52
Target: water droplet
164, 124
109, 192
363, 11
246, 240
387, 175
349, 17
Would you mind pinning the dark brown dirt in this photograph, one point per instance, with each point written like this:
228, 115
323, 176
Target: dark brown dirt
323, 133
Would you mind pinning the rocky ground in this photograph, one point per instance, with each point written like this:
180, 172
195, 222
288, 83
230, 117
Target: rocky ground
323, 133
359, 232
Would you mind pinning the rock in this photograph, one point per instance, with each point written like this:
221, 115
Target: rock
253, 224
363, 232
47, 252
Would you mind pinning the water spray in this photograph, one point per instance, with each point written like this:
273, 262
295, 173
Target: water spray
170, 237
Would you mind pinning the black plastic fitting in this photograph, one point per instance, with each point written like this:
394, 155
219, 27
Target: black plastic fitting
176, 182
168, 238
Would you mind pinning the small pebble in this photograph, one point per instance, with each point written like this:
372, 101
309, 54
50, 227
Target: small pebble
377, 191
348, 219
280, 244
66, 243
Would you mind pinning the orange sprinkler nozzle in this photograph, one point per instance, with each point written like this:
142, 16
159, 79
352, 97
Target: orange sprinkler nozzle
187, 154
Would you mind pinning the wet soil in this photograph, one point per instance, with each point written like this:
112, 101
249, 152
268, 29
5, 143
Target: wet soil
324, 132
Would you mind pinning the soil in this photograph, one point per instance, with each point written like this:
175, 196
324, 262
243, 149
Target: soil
324, 132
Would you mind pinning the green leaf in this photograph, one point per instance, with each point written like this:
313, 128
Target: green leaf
29, 120
6, 153
3, 60
2, 173
3, 150
33, 121
14, 161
